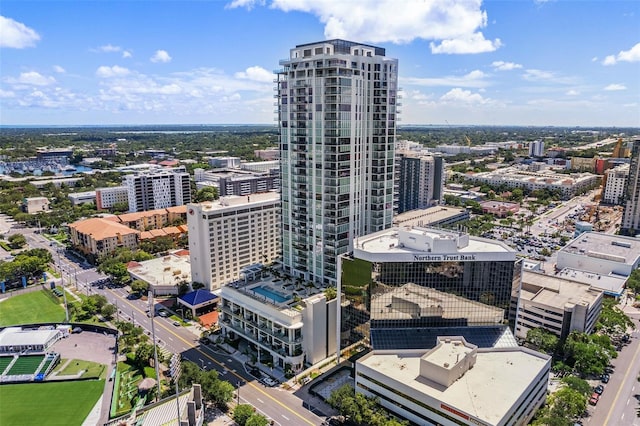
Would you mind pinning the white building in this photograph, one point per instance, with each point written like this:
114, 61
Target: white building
557, 304
225, 162
163, 274
536, 148
615, 184
337, 109
287, 324
231, 233
457, 383
420, 181
261, 166
82, 197
33, 205
107, 197
158, 189
568, 185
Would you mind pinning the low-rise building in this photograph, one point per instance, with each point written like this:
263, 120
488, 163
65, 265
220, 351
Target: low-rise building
33, 205
500, 208
456, 383
163, 274
99, 236
557, 304
433, 216
78, 198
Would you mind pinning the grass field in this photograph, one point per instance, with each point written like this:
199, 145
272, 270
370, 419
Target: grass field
91, 369
63, 403
27, 308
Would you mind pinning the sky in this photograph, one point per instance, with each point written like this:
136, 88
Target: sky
461, 62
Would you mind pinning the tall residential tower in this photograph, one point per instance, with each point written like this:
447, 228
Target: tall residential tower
337, 111
631, 216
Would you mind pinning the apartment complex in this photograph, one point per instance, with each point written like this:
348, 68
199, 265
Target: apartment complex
421, 181
404, 286
615, 182
238, 182
457, 383
514, 177
231, 233
108, 197
33, 205
337, 110
156, 189
99, 236
631, 217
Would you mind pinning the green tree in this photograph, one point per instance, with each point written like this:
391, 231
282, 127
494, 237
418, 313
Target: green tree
257, 420
143, 354
206, 193
17, 241
567, 403
633, 282
242, 413
139, 286
542, 339
108, 311
577, 384
612, 320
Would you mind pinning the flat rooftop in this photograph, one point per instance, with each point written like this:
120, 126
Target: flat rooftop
611, 284
164, 270
424, 244
556, 290
414, 301
487, 391
616, 248
424, 217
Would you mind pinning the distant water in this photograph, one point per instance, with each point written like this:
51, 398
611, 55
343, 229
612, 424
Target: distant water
38, 172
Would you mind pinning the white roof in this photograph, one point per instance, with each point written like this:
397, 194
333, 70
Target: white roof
615, 248
498, 380
15, 336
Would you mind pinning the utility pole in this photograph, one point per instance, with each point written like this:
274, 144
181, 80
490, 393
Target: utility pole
155, 346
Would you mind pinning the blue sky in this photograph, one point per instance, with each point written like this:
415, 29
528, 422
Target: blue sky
510, 62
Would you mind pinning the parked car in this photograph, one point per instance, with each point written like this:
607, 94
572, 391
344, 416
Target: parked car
594, 398
605, 378
599, 389
177, 323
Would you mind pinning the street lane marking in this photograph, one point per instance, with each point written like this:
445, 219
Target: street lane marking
626, 374
260, 401
191, 345
285, 417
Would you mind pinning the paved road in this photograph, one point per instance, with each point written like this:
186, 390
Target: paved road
277, 404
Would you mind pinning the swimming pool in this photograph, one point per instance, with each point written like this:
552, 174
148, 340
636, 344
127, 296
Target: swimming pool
270, 294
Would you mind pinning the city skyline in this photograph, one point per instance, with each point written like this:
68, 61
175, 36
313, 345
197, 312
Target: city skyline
461, 63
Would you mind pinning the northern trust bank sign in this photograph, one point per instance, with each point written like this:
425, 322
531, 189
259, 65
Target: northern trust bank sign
443, 257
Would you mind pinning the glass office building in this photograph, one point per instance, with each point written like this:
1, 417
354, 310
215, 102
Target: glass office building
403, 287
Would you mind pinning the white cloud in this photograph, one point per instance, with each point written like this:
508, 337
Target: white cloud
572, 92
536, 75
505, 66
473, 43
7, 94
456, 22
615, 87
109, 48
16, 34
460, 96
161, 56
475, 78
31, 78
255, 73
631, 55
126, 54
109, 72
59, 69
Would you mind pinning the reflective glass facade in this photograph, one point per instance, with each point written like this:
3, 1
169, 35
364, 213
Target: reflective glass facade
427, 295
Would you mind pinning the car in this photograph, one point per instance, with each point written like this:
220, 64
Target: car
268, 381
177, 323
605, 378
594, 398
163, 314
599, 389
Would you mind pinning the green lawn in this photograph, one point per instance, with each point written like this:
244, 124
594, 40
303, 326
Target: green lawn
55, 403
91, 369
30, 308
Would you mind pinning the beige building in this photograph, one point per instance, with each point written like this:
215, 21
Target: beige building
559, 305
232, 233
35, 205
99, 236
456, 383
